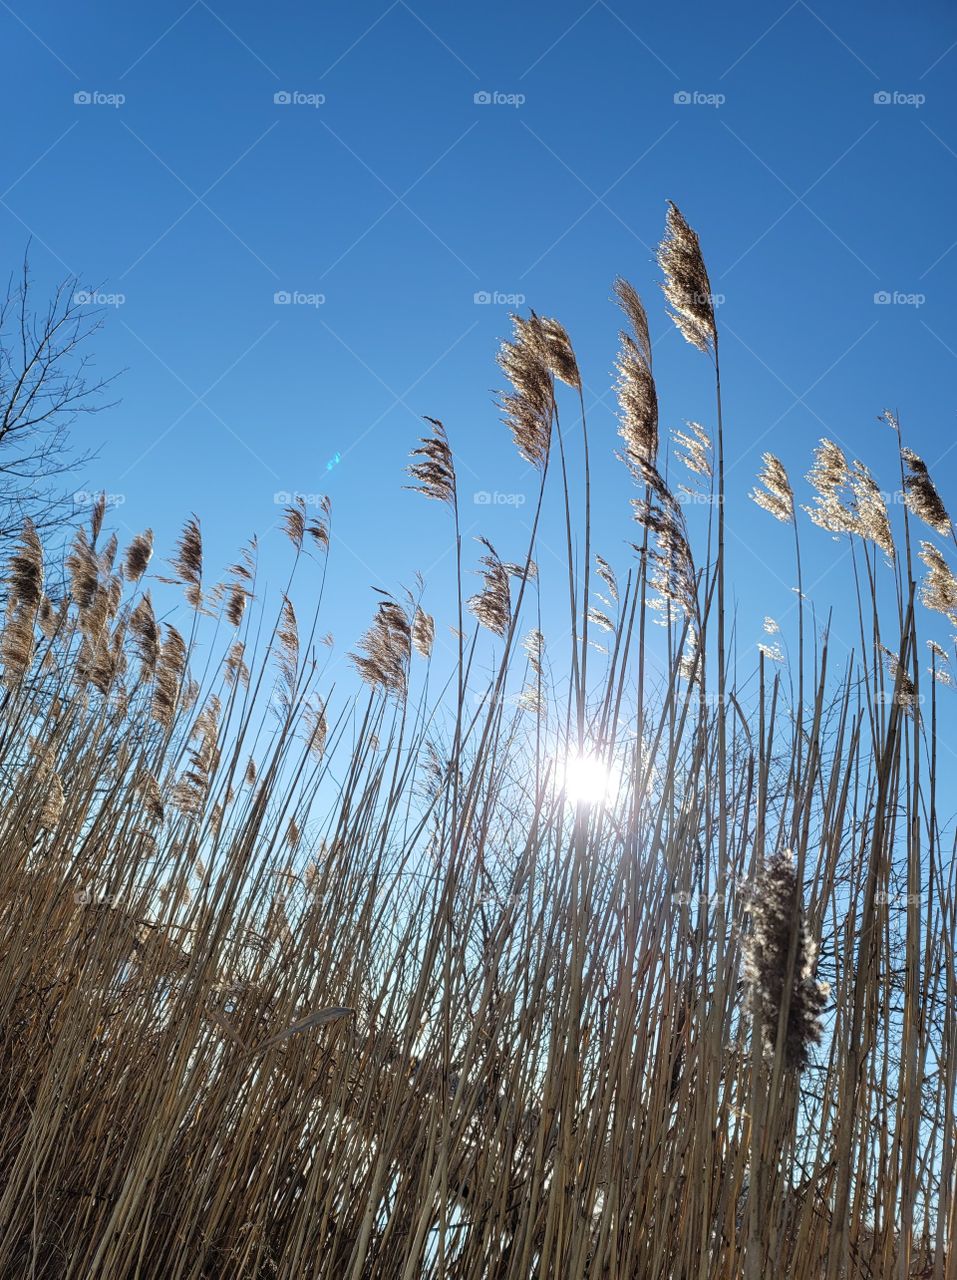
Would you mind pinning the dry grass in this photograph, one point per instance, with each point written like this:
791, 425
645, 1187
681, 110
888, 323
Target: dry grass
350, 991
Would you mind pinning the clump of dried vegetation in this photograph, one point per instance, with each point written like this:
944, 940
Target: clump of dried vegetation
298, 988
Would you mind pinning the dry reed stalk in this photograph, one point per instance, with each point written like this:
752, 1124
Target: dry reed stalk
357, 992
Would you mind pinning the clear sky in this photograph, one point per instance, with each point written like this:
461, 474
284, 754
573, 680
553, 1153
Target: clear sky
813, 147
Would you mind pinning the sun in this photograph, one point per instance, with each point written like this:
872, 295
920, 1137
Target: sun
588, 780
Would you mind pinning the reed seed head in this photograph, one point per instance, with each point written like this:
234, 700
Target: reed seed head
492, 605
434, 474
53, 803
686, 285
921, 494
776, 496
423, 632
939, 588
385, 649
777, 915
25, 572
138, 555
529, 407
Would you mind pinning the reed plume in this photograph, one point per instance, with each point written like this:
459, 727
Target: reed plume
423, 632
694, 449
555, 349
829, 475
317, 728
17, 646
294, 523
607, 575
635, 385
870, 509
534, 646
776, 495
83, 569
187, 563
145, 634
686, 285
236, 669
777, 926
384, 651
287, 654
529, 406
492, 605
151, 795
138, 555
24, 578
53, 803
939, 588
921, 494
434, 475
906, 691
170, 668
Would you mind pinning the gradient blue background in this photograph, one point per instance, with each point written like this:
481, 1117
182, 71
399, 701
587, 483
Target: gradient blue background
401, 198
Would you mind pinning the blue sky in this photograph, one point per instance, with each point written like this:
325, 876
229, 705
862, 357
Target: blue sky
813, 148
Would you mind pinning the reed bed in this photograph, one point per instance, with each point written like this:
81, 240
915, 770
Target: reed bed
300, 984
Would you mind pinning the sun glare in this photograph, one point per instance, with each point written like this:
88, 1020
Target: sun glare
589, 780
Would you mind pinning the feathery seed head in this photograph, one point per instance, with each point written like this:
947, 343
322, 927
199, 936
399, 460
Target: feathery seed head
871, 509
423, 632
921, 495
385, 649
138, 555
777, 914
686, 285
492, 606
828, 476
939, 588
607, 575
434, 475
528, 408
777, 496
694, 449
53, 803
25, 574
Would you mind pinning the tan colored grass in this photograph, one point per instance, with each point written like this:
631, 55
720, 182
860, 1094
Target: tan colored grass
351, 991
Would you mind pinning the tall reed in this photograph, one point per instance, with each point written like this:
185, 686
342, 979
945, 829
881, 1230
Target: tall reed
296, 983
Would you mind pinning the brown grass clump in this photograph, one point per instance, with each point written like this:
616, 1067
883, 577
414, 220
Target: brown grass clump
315, 978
